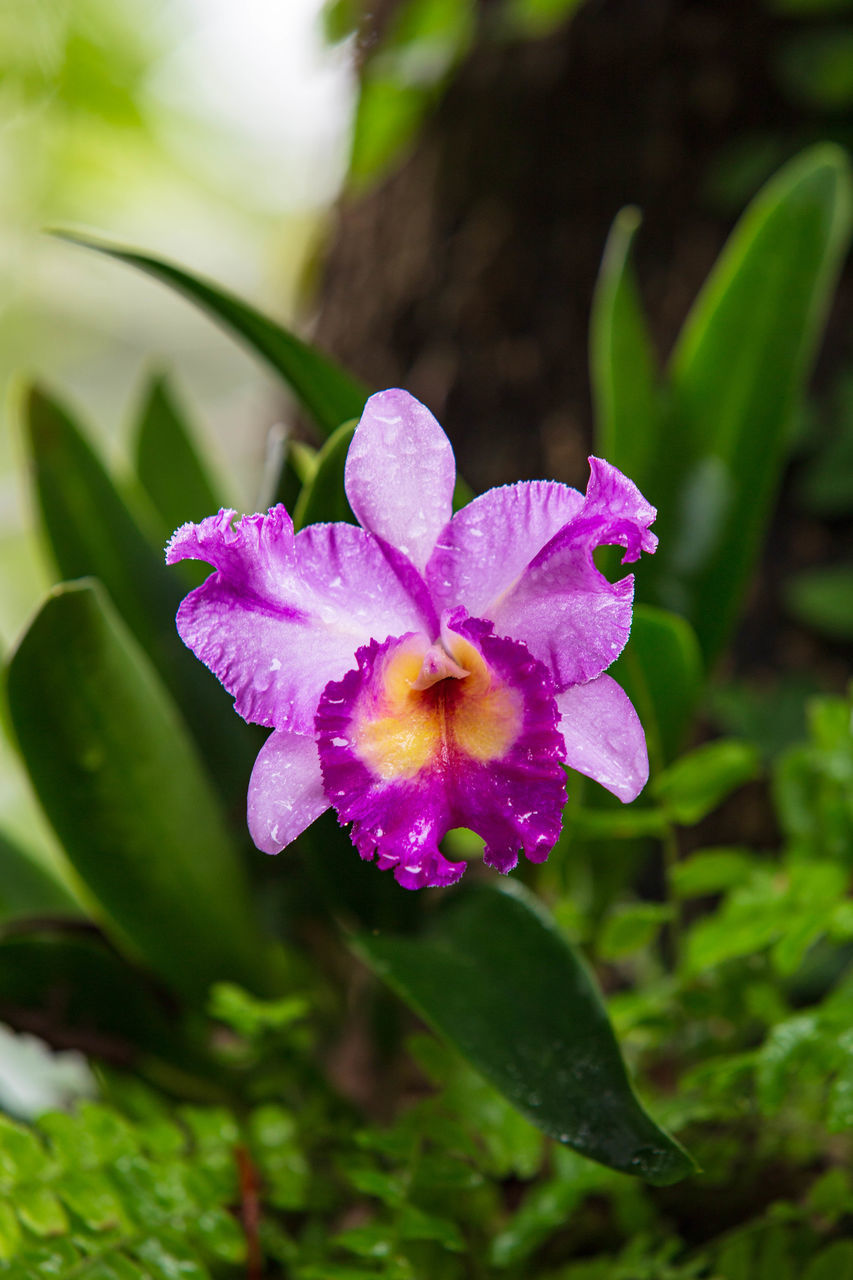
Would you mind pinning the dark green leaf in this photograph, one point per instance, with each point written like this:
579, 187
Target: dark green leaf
816, 67
27, 887
622, 364
323, 499
835, 1262
91, 530
168, 464
127, 795
80, 992
737, 375
495, 977
288, 467
698, 782
823, 599
322, 387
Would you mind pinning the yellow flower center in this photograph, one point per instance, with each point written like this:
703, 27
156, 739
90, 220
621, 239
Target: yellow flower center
429, 702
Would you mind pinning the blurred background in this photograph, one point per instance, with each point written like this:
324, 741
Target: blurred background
214, 136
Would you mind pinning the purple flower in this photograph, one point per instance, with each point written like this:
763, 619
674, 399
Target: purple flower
424, 672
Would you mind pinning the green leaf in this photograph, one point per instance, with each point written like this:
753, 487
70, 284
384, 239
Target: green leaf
823, 599
737, 375
22, 1156
84, 994
512, 1147
41, 1211
661, 671
91, 1197
839, 1117
10, 1232
710, 871
388, 116
249, 1016
27, 887
169, 1260
623, 371
533, 19
323, 499
699, 781
414, 1224
403, 79
322, 387
816, 67
124, 789
531, 1020
90, 530
835, 1262
375, 1240
632, 928
289, 466
167, 462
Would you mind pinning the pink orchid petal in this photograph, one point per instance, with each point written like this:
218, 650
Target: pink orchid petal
566, 612
282, 616
286, 790
487, 545
400, 474
603, 735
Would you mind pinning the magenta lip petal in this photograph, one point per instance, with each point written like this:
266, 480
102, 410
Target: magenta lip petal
282, 616
286, 790
566, 612
400, 474
514, 801
487, 545
400, 822
603, 736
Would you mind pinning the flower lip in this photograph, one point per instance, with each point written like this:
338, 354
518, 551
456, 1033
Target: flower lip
479, 749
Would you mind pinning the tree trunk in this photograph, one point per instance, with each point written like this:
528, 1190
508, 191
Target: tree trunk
467, 275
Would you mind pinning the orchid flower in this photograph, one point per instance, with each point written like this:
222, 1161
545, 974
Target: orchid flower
425, 671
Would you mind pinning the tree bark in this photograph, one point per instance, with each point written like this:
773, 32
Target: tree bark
467, 275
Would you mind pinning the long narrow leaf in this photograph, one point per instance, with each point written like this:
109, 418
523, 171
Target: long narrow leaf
127, 795
91, 531
497, 979
168, 465
661, 671
737, 373
623, 373
323, 497
322, 387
